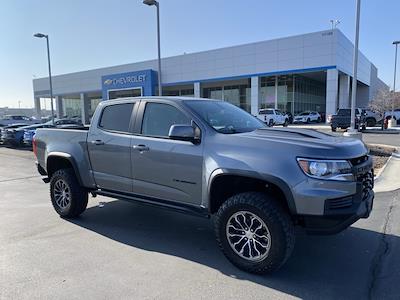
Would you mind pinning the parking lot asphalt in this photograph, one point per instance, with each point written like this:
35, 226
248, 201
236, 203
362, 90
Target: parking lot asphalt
121, 250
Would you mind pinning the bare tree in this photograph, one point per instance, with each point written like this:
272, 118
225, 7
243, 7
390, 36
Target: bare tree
383, 100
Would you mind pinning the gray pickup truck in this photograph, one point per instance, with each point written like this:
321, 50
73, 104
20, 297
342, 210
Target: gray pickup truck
210, 158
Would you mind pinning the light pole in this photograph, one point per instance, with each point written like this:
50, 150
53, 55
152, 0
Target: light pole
353, 132
392, 121
41, 35
157, 5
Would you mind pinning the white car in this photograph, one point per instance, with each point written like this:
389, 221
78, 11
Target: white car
14, 119
307, 117
271, 117
396, 114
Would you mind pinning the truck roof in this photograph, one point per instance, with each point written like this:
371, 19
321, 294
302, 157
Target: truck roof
171, 98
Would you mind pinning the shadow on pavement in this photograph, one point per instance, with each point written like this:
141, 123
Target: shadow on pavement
337, 266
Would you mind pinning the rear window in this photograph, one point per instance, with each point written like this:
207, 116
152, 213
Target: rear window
116, 117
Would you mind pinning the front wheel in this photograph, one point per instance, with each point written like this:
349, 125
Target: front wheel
333, 129
254, 232
69, 199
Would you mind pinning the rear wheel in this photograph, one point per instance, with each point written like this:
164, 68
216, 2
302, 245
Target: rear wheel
286, 123
319, 120
371, 122
254, 232
308, 120
69, 199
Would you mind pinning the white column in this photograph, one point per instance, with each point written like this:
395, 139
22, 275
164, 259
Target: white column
254, 95
38, 109
85, 108
276, 92
344, 91
59, 107
332, 81
197, 92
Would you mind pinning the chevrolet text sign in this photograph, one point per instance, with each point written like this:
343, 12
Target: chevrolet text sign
146, 79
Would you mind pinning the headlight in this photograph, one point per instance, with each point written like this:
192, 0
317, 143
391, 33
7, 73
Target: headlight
327, 169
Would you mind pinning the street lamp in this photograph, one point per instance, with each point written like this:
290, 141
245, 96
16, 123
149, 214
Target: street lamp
157, 5
392, 120
41, 35
353, 132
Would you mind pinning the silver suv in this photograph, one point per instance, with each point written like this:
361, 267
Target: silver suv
211, 158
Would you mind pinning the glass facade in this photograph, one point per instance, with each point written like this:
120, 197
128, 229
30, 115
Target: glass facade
72, 107
174, 91
292, 93
267, 92
309, 95
237, 94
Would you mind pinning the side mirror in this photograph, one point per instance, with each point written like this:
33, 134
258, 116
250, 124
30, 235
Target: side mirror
182, 133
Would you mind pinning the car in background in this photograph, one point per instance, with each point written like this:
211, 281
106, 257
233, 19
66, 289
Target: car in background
372, 117
307, 117
396, 115
17, 119
5, 131
15, 136
29, 133
343, 119
290, 116
271, 117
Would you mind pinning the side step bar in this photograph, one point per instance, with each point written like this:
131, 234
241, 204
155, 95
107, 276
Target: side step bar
179, 207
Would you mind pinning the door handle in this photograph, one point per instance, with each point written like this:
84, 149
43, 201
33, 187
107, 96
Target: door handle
141, 148
98, 142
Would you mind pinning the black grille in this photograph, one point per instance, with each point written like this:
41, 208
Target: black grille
340, 203
367, 181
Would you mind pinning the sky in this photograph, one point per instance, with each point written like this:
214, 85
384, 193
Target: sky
98, 33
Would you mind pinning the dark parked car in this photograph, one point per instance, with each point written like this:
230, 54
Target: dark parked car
29, 133
343, 119
6, 131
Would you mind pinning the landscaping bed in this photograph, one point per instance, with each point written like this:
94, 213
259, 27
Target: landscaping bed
380, 155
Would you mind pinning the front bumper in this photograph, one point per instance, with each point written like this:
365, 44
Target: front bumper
340, 212
335, 221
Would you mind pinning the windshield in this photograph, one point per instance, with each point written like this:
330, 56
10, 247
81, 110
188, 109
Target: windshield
304, 113
224, 117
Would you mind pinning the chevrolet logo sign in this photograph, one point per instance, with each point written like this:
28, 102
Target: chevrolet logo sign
108, 81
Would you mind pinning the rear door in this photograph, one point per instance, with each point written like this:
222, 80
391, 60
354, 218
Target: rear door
109, 145
163, 168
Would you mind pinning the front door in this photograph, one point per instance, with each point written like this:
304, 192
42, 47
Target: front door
166, 169
109, 145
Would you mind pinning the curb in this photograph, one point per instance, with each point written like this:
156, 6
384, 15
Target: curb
383, 168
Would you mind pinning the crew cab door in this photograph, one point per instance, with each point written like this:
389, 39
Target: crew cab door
109, 146
165, 169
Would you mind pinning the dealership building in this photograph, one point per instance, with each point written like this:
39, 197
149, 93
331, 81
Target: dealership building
304, 72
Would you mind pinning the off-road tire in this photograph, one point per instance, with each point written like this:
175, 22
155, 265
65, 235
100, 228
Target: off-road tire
277, 220
78, 195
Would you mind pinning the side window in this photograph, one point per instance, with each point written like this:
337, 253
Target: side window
159, 117
116, 117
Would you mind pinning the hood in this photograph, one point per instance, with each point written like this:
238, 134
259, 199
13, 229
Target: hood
306, 143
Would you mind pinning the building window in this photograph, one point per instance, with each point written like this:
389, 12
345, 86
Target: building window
135, 92
267, 92
237, 94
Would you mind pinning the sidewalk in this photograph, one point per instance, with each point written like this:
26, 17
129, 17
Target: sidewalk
389, 179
